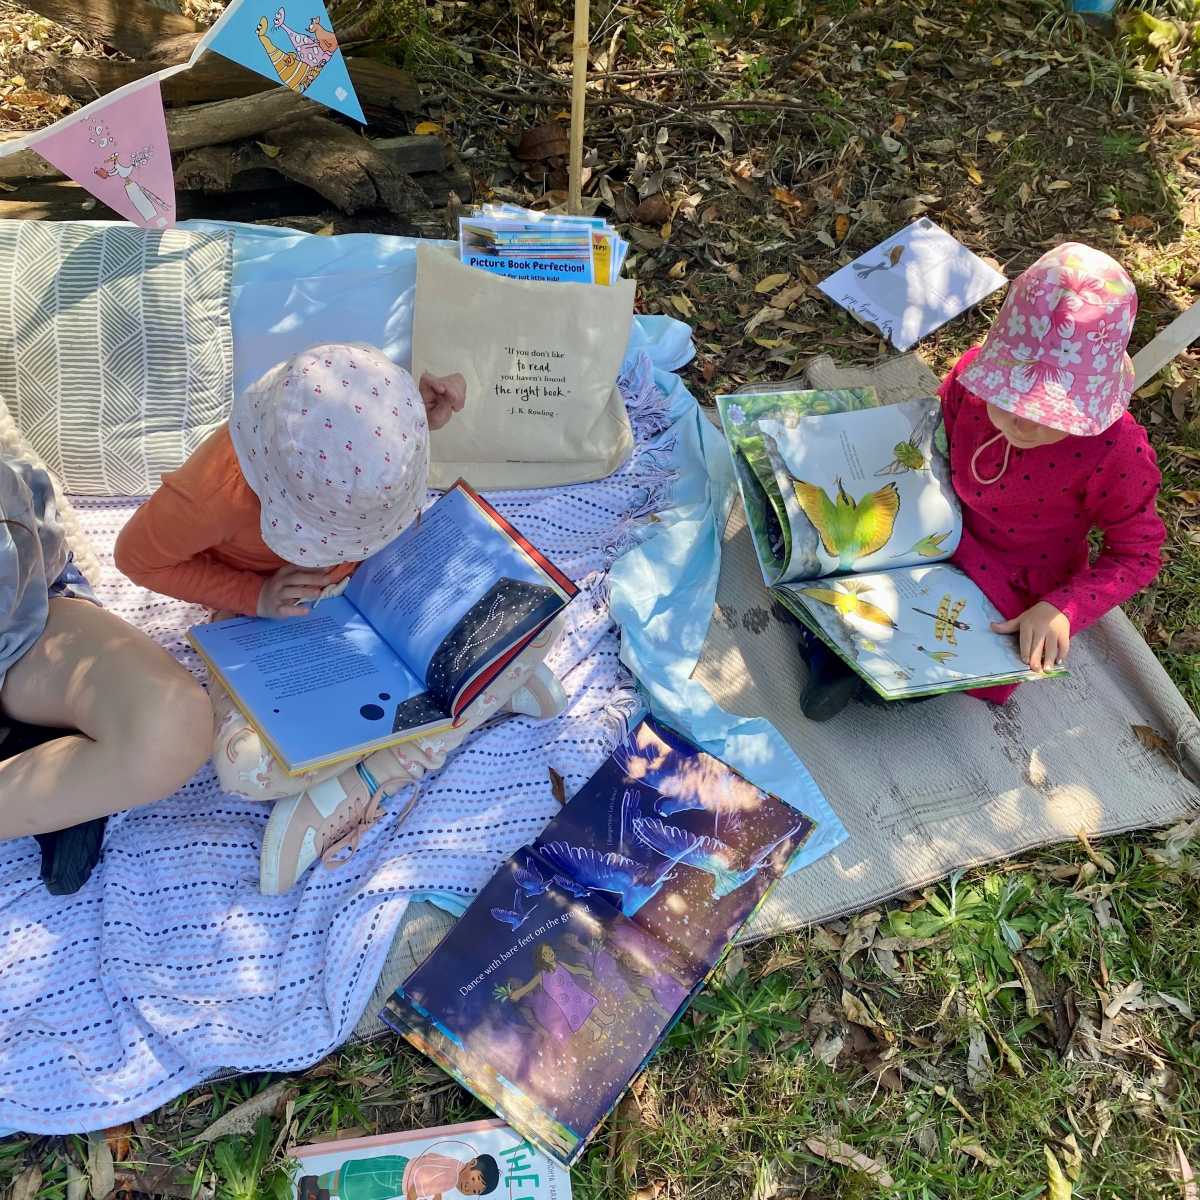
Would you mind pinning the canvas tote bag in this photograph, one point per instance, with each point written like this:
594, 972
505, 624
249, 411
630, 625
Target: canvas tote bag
540, 361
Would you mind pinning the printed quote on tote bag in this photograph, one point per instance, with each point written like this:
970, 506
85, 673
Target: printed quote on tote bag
540, 362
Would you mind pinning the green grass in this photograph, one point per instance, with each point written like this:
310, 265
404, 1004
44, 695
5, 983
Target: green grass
969, 1034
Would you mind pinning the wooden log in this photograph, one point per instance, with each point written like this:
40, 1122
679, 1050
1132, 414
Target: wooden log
344, 168
382, 89
131, 26
248, 167
290, 205
189, 128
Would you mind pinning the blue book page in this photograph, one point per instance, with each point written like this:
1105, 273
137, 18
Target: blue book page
677, 840
319, 687
548, 1000
417, 591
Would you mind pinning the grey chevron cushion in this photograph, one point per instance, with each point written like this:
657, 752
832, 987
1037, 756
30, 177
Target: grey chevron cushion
116, 351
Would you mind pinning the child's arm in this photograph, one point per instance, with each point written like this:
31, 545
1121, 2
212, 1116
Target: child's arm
164, 547
1120, 498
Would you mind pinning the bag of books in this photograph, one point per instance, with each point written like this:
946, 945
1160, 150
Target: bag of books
541, 361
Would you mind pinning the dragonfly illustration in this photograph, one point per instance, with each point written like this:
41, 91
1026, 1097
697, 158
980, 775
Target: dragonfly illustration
945, 620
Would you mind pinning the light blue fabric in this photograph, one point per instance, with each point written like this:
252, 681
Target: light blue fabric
358, 287
662, 594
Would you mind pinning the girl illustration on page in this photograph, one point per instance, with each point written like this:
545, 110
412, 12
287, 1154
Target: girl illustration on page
561, 1005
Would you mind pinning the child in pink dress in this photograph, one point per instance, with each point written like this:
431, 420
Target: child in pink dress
1043, 450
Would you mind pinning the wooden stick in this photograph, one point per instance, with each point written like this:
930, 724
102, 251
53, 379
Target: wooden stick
1169, 344
579, 66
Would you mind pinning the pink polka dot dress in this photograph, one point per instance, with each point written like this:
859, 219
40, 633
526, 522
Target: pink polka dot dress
1025, 535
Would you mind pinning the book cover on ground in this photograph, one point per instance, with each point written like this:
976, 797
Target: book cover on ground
479, 1158
912, 283
578, 956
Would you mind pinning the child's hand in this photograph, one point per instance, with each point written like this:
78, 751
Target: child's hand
1045, 635
444, 395
286, 593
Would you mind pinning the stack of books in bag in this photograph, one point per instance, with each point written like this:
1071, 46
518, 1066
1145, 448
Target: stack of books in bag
522, 244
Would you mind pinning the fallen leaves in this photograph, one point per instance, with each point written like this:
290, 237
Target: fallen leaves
1153, 740
845, 1155
1057, 1185
242, 1117
558, 788
1187, 1176
771, 283
27, 1185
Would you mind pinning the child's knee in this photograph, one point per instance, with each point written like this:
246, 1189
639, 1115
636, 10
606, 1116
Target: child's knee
172, 736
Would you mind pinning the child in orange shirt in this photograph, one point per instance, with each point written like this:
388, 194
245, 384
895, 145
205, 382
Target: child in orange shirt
323, 462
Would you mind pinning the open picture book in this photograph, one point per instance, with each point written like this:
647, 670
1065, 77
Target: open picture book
853, 517
421, 630
573, 963
478, 1158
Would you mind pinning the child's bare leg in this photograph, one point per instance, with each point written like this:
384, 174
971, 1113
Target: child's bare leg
144, 724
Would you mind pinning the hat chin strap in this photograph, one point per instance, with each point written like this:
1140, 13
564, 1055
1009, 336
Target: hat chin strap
1003, 465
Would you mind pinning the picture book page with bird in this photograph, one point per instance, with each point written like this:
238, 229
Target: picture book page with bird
912, 283
860, 489
911, 631
853, 516
573, 962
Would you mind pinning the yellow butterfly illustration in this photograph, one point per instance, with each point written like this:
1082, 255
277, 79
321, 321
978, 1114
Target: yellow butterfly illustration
850, 529
847, 601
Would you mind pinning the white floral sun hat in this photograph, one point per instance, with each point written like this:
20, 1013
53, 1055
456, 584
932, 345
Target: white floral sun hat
335, 445
1057, 352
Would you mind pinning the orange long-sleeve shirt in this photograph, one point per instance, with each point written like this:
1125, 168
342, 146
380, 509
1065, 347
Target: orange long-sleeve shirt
198, 537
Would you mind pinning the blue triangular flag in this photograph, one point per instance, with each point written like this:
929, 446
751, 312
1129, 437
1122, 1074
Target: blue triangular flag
301, 52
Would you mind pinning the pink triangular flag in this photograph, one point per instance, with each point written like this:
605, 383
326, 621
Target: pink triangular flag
117, 148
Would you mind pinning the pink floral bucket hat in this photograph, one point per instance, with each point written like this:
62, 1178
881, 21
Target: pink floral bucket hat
1056, 354
335, 445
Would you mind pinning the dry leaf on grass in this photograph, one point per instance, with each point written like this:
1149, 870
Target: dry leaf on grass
242, 1117
76, 1181
1057, 1186
771, 282
558, 789
979, 1061
977, 1152
427, 127
101, 1172
1187, 1176
1127, 997
28, 1184
1072, 1158
847, 1156
859, 936
1101, 860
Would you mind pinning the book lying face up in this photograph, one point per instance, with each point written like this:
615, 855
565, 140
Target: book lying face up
424, 626
575, 960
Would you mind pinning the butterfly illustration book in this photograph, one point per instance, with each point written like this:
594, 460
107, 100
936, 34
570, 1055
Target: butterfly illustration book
422, 629
853, 517
576, 959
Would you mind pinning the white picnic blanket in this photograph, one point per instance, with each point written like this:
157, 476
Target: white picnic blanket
169, 964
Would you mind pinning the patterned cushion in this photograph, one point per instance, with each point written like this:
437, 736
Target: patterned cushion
118, 351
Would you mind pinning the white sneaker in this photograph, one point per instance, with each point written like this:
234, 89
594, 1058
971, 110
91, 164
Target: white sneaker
326, 822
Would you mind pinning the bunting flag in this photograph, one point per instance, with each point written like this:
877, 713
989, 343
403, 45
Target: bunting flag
299, 51
117, 148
